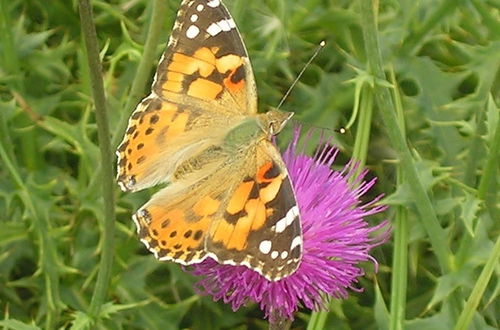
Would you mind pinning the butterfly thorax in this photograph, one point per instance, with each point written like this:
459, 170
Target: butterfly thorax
255, 128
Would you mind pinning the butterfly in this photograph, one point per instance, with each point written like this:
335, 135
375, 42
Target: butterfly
227, 193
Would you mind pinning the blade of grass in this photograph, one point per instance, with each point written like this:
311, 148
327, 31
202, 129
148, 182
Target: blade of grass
428, 217
107, 174
477, 292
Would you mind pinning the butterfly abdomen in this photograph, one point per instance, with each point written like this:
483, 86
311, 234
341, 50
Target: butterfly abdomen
211, 155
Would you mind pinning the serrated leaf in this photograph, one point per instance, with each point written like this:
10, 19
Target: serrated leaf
469, 209
81, 321
493, 114
448, 283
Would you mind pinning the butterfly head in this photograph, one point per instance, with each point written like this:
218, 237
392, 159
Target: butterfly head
273, 121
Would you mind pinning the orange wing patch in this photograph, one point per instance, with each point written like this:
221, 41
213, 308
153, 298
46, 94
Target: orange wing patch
233, 67
204, 89
205, 76
246, 211
171, 234
153, 124
206, 206
240, 197
202, 61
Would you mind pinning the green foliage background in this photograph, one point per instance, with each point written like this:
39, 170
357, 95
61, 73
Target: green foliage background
441, 59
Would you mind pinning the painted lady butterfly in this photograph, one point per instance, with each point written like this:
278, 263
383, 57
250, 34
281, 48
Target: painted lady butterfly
228, 195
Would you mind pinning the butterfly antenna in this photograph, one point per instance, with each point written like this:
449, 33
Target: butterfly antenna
318, 49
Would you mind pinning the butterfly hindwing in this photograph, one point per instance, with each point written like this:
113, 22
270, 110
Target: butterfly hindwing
252, 219
260, 224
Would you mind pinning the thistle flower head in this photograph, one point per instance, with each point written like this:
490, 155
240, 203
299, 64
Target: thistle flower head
335, 234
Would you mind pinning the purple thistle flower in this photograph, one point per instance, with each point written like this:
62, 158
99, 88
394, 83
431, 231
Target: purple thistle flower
336, 240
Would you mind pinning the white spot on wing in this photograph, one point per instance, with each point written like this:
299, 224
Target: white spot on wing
224, 25
200, 7
284, 254
296, 242
192, 32
194, 18
214, 29
265, 247
287, 220
275, 254
280, 225
213, 3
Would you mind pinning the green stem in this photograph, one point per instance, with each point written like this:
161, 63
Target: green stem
428, 218
317, 321
477, 292
399, 279
10, 58
360, 149
107, 174
400, 269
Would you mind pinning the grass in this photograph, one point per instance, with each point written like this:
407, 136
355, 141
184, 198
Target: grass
423, 77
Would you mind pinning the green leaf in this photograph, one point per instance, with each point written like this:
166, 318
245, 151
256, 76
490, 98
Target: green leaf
17, 325
469, 209
381, 312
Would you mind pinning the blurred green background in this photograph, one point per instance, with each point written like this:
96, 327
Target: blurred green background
441, 59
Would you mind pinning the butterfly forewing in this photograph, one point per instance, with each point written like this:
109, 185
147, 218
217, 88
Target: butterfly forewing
203, 83
206, 61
